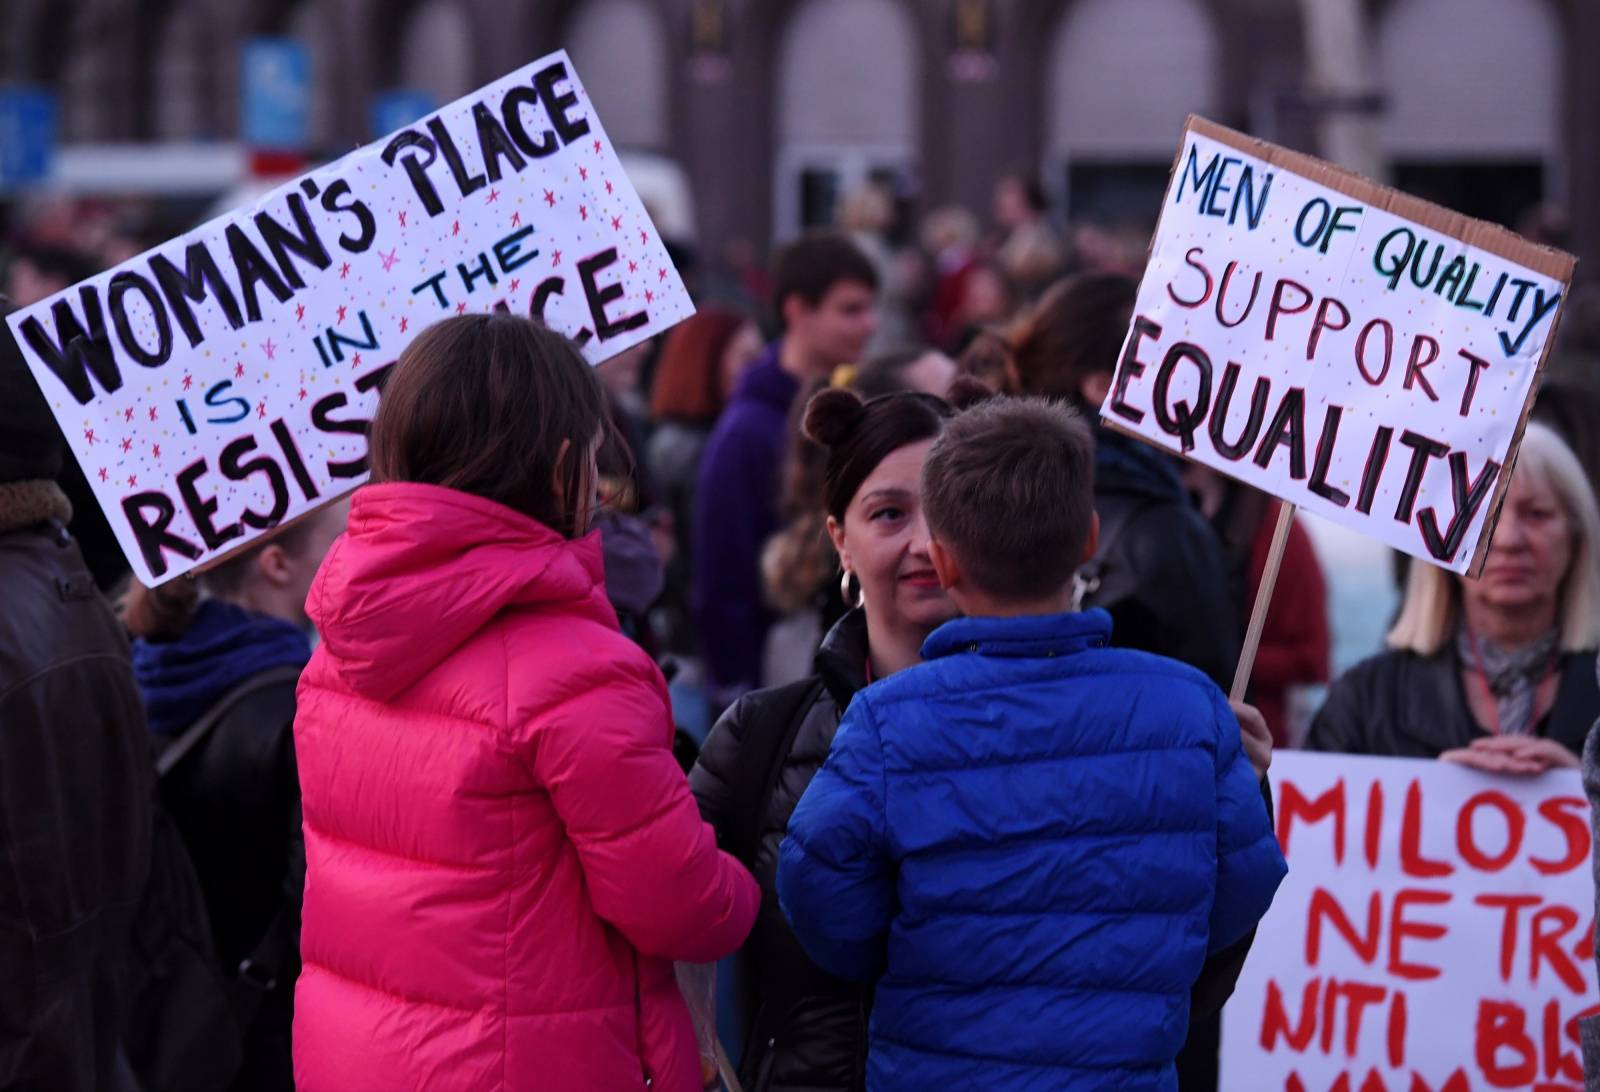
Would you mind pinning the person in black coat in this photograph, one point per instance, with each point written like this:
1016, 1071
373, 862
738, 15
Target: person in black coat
218, 661
1159, 568
1495, 673
76, 790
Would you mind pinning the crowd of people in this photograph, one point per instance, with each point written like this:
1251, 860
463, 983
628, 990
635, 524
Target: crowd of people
396, 797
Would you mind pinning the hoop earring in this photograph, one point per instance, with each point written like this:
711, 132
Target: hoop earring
856, 601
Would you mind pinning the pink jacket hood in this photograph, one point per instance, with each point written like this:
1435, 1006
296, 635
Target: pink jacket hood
421, 569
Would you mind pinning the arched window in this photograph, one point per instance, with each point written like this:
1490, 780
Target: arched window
175, 101
1474, 102
436, 52
847, 106
619, 50
1123, 75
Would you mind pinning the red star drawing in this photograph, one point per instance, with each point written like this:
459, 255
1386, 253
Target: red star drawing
355, 361
404, 322
516, 218
494, 195
583, 211
188, 380
402, 219
88, 434
152, 413
643, 238
155, 450
389, 259
133, 480
102, 473
344, 271
341, 313
597, 147
616, 223
633, 267
126, 445
583, 173
270, 349
127, 414
238, 370
300, 312
608, 185
549, 198
557, 260
649, 296
261, 409
514, 283
302, 394
661, 274
461, 308
455, 228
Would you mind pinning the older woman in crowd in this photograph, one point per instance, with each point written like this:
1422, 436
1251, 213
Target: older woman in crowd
1496, 673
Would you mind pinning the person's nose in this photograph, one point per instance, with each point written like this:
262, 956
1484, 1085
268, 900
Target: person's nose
917, 543
1510, 533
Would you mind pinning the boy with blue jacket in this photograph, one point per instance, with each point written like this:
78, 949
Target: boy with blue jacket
1031, 840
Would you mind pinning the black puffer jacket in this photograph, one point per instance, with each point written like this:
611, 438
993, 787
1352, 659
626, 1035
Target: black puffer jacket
76, 801
1403, 705
807, 1029
1159, 569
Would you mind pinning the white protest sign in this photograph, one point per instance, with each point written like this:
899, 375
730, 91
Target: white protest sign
221, 384
1435, 932
1357, 352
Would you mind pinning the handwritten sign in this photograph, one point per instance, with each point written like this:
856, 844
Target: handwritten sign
1436, 931
1355, 351
222, 383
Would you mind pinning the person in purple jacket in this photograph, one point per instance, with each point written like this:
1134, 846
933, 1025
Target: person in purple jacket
825, 297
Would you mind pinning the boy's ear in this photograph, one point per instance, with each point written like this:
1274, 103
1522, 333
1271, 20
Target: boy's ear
1092, 543
944, 564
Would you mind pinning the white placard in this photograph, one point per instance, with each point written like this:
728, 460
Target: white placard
1354, 351
1435, 932
220, 384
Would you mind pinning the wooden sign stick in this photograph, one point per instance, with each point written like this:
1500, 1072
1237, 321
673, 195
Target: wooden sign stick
1258, 614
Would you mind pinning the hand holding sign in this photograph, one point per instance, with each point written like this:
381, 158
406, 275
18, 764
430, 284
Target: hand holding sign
221, 384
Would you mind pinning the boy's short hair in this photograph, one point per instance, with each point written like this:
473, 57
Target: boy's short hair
814, 263
1009, 490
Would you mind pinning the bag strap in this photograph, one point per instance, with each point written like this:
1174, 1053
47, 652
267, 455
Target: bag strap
761, 754
195, 734
1091, 574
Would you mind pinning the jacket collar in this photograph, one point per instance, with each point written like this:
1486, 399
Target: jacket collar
842, 658
1028, 636
766, 381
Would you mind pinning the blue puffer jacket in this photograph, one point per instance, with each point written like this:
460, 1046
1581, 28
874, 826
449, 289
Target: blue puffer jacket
1034, 840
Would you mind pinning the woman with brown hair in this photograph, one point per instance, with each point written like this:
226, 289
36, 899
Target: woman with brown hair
503, 858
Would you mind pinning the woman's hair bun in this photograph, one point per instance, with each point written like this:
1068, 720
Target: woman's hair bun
832, 415
966, 392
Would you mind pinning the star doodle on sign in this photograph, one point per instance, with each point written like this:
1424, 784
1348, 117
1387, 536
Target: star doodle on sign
355, 361
583, 211
643, 237
649, 296
126, 445
127, 414
402, 218
608, 185
133, 480
155, 450
455, 228
102, 473
633, 267
300, 312
494, 195
583, 173
661, 274
616, 223
344, 271
88, 434
261, 409
516, 218
550, 198
341, 313
557, 259
152, 413
404, 322
188, 381
238, 370
302, 394
597, 147
461, 308
270, 349
514, 283
389, 259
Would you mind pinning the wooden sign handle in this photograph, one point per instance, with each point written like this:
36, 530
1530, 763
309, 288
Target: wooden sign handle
1258, 614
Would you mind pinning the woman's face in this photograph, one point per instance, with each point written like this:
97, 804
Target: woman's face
884, 541
1531, 550
737, 355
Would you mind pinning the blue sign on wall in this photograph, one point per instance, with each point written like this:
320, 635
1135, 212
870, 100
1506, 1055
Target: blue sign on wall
396, 109
276, 96
27, 134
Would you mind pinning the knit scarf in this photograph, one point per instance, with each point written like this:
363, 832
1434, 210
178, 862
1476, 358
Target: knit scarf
27, 504
1513, 675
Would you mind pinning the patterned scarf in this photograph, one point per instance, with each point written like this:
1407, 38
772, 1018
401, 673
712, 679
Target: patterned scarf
1513, 675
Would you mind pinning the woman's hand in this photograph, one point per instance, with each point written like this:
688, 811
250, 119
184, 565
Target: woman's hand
1519, 756
1255, 736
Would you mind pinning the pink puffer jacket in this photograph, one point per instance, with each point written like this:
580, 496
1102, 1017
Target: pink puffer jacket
503, 857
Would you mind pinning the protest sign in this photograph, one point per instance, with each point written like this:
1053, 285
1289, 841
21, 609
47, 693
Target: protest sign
1435, 932
1357, 352
221, 384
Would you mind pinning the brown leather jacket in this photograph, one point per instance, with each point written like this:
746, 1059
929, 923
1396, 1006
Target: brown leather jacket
75, 816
